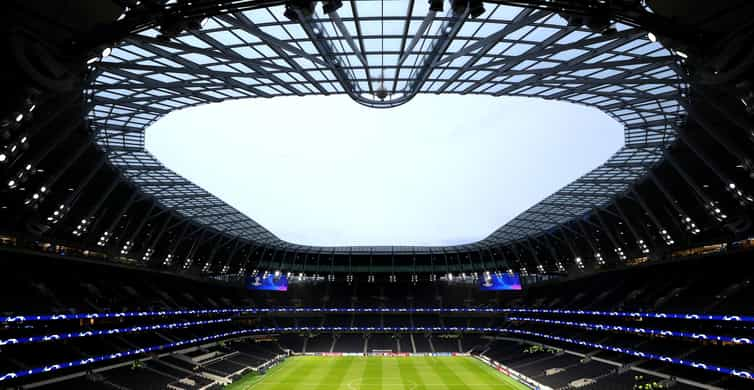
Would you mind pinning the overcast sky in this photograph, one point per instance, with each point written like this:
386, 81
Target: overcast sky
439, 170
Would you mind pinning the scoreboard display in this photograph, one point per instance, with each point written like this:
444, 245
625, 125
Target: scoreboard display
267, 283
500, 282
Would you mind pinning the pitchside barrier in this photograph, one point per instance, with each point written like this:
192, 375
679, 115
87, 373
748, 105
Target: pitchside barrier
517, 376
385, 354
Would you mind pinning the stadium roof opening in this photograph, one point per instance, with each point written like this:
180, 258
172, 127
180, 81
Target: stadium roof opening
441, 170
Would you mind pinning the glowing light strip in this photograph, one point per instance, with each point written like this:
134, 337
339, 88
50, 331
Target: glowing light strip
105, 332
643, 331
57, 317
645, 355
678, 316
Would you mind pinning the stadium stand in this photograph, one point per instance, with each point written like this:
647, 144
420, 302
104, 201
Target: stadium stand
118, 273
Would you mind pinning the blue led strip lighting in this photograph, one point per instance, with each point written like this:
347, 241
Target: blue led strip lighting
105, 332
679, 316
164, 313
645, 355
642, 331
133, 352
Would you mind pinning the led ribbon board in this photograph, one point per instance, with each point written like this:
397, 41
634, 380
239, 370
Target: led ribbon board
243, 332
584, 325
500, 282
106, 332
636, 330
19, 318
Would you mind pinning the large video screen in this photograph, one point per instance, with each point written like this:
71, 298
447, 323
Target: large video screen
267, 283
498, 282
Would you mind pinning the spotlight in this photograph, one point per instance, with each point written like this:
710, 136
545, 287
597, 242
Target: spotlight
294, 8
381, 92
643, 246
476, 8
196, 24
652, 37
172, 28
331, 5
436, 5
3, 157
597, 20
598, 257
689, 225
126, 248
667, 237
459, 6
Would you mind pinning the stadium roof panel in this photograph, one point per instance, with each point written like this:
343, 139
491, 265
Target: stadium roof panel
382, 54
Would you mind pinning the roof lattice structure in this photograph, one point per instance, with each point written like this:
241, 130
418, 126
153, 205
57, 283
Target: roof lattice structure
382, 53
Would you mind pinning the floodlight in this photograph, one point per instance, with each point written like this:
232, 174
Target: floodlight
331, 5
294, 8
476, 8
436, 5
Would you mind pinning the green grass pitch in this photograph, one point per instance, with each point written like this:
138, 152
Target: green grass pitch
378, 373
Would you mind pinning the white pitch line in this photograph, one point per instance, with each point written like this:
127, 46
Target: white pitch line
412, 385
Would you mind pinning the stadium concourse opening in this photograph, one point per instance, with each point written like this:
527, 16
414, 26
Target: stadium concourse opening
634, 273
439, 170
